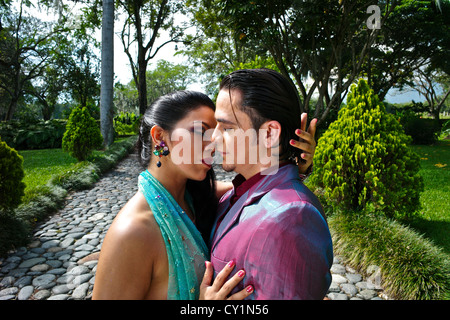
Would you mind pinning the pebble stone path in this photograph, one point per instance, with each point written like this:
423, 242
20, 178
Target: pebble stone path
61, 260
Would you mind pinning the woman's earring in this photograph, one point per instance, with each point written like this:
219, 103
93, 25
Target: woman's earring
161, 150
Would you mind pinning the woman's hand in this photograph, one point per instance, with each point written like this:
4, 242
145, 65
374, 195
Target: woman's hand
220, 289
307, 143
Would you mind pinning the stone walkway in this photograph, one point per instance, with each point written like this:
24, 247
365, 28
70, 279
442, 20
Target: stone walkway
61, 260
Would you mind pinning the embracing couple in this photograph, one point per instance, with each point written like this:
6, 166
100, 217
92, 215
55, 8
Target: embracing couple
185, 235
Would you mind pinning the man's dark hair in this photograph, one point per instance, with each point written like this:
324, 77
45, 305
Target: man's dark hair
268, 95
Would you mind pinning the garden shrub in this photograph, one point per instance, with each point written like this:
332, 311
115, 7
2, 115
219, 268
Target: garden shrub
11, 175
363, 161
422, 131
14, 233
33, 135
82, 134
411, 266
126, 124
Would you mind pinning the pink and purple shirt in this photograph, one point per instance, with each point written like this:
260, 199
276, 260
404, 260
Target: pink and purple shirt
275, 229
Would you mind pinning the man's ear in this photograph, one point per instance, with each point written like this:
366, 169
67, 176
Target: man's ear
272, 133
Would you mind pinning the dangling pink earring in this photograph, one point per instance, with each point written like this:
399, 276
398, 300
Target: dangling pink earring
161, 150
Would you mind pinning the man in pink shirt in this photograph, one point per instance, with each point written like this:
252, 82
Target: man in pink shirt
270, 224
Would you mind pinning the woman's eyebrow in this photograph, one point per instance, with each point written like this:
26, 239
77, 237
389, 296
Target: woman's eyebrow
203, 123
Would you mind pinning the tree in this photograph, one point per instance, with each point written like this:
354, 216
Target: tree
164, 78
363, 161
28, 41
107, 73
144, 21
167, 77
427, 83
322, 41
414, 37
215, 50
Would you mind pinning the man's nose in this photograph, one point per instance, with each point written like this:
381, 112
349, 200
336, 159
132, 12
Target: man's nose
216, 134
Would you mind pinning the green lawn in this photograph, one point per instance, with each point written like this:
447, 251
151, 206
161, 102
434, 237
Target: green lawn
40, 165
434, 221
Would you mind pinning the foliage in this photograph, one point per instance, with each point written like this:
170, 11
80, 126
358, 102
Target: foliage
215, 50
45, 60
126, 124
167, 77
35, 135
28, 48
410, 266
11, 176
9, 239
363, 161
323, 41
416, 35
422, 131
82, 134
445, 130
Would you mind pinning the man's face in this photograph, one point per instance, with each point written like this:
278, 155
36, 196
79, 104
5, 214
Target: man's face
234, 136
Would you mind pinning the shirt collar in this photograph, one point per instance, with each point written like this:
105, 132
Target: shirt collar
241, 185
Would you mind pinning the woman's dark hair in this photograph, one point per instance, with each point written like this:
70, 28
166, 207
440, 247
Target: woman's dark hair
268, 95
165, 112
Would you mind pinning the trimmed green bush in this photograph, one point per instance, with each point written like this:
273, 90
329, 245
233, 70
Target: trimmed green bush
11, 176
411, 266
422, 131
363, 161
82, 134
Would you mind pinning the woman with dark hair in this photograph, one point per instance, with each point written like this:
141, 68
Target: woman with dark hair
155, 247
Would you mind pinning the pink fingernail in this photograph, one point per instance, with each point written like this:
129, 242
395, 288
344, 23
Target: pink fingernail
249, 289
298, 131
230, 264
241, 273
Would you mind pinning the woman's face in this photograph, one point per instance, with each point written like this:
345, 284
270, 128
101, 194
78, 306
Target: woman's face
190, 143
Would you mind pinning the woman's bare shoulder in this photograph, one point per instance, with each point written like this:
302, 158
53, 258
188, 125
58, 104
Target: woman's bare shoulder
132, 248
135, 221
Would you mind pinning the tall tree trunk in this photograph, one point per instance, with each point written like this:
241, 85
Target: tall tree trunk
142, 84
107, 73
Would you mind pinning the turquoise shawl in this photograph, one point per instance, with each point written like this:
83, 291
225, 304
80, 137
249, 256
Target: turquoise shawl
186, 250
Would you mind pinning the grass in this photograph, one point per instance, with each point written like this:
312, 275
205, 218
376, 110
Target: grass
434, 218
41, 165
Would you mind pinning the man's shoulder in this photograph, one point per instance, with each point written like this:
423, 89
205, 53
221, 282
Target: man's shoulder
292, 193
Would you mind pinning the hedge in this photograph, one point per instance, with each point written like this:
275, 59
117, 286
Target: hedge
411, 266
